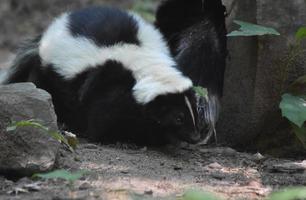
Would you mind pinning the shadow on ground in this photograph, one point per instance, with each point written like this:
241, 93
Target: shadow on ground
118, 171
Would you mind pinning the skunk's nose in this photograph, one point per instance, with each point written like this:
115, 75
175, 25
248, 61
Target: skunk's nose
195, 138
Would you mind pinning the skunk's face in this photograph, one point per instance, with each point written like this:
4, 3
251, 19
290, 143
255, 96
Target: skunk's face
175, 116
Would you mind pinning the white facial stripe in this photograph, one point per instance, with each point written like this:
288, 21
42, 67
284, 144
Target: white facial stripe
190, 110
151, 63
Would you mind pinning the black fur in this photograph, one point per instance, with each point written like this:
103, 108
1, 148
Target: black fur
109, 100
98, 103
105, 26
26, 59
196, 33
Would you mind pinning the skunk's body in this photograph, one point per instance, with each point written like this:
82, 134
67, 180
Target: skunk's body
196, 34
111, 77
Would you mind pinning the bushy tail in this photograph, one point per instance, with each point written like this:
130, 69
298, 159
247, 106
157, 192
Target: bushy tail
174, 16
26, 59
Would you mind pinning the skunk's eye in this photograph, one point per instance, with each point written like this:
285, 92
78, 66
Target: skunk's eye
179, 120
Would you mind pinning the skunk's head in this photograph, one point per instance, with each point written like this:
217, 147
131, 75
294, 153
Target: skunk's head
198, 42
175, 115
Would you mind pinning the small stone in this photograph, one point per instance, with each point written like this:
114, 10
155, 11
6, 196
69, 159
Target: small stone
148, 192
258, 157
204, 151
144, 149
177, 168
229, 152
214, 166
85, 186
290, 167
124, 172
90, 146
218, 175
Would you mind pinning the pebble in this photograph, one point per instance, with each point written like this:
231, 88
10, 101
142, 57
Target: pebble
85, 186
214, 166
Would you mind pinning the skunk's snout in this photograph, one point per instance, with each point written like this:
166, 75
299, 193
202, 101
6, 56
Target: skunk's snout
195, 138
208, 110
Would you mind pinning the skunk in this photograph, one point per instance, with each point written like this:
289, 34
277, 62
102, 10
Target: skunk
112, 78
196, 34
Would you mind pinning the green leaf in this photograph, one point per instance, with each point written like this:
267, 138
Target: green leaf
62, 174
301, 34
202, 92
70, 143
11, 128
249, 29
298, 87
289, 194
26, 123
300, 133
198, 195
294, 109
60, 138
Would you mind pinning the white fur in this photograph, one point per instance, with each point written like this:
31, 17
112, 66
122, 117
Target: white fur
209, 114
150, 63
190, 110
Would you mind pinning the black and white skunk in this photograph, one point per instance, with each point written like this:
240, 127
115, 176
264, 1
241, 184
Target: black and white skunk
196, 34
111, 77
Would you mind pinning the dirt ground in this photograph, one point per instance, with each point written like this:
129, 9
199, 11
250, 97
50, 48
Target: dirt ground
126, 172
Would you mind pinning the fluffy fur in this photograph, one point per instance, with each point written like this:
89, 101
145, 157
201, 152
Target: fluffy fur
150, 61
196, 34
111, 77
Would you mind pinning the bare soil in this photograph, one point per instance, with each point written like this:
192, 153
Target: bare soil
125, 172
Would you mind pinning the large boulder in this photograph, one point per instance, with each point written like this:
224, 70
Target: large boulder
26, 150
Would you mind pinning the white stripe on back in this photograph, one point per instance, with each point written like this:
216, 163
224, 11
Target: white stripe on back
151, 63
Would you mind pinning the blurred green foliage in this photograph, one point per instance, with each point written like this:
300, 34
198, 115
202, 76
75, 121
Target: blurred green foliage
70, 144
293, 103
249, 29
289, 194
145, 8
62, 174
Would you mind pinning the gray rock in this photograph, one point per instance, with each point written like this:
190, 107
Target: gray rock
26, 150
289, 167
